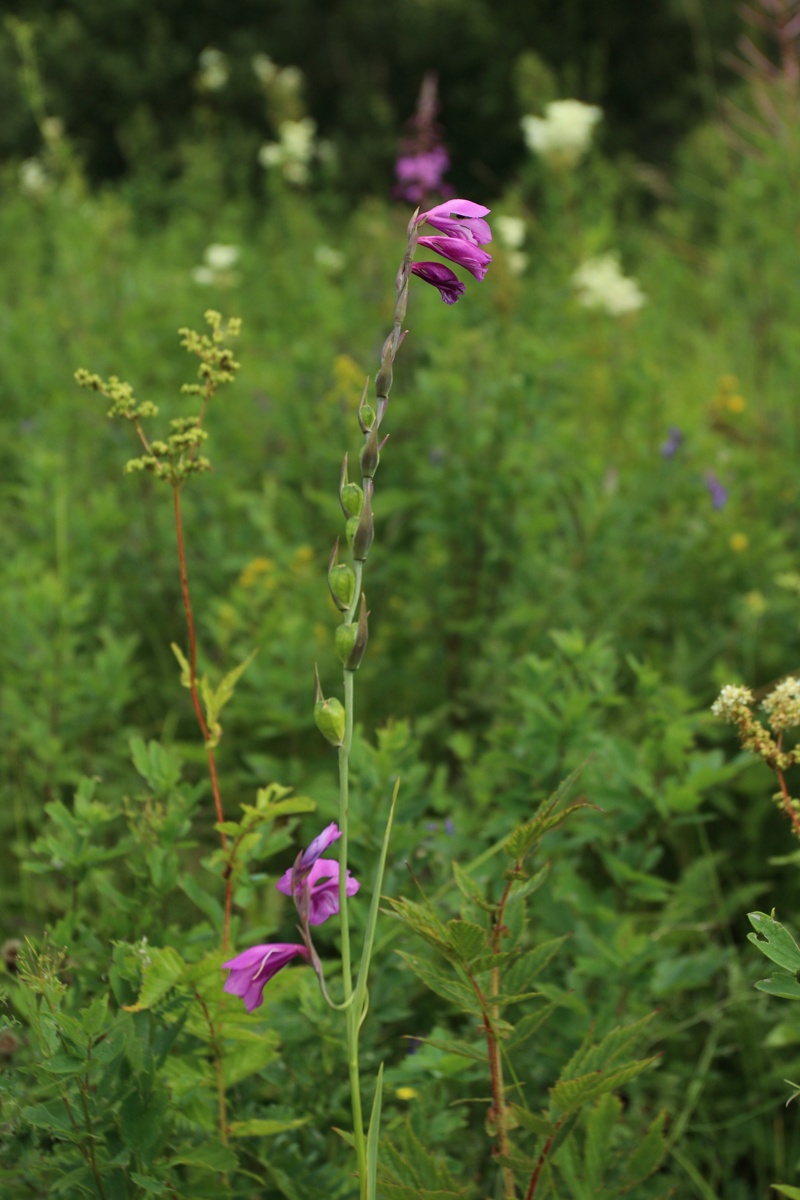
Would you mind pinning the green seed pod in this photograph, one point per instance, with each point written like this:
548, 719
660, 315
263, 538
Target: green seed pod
329, 716
370, 456
366, 417
342, 583
345, 641
365, 528
352, 498
350, 530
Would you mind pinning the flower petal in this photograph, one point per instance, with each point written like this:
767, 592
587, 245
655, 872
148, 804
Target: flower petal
319, 845
460, 251
449, 285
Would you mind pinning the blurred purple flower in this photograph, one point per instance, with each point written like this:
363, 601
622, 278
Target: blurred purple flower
253, 968
423, 160
449, 285
319, 888
717, 492
418, 174
673, 442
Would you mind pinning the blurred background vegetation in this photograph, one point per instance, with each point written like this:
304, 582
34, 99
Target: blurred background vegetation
586, 520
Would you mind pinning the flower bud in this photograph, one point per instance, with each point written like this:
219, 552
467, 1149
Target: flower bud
350, 530
341, 581
351, 640
352, 498
370, 456
329, 715
366, 417
365, 529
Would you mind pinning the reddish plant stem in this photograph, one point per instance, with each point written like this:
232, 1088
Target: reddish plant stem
498, 1111
787, 803
535, 1177
212, 765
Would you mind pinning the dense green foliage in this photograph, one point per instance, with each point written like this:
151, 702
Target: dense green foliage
549, 590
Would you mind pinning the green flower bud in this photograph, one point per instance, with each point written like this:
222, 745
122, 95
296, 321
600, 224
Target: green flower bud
370, 456
329, 715
330, 719
350, 530
352, 498
365, 528
345, 640
342, 583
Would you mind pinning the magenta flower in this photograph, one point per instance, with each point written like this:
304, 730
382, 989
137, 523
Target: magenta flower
321, 887
319, 845
460, 219
449, 285
251, 969
420, 173
459, 250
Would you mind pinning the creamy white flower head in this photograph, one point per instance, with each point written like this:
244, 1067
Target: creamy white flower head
562, 136
510, 231
783, 705
204, 276
294, 151
732, 702
270, 155
289, 80
264, 69
221, 258
33, 178
601, 284
517, 262
214, 70
331, 261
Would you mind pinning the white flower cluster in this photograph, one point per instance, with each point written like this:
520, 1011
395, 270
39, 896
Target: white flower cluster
329, 260
293, 153
511, 234
783, 705
214, 70
288, 80
33, 177
601, 284
732, 702
217, 267
563, 135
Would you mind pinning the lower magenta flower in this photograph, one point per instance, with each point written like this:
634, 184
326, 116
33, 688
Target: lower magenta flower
253, 968
449, 285
316, 892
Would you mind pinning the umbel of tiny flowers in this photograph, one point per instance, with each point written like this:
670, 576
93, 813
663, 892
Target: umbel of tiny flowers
600, 283
562, 136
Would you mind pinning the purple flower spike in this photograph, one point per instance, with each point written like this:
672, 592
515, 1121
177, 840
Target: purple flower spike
420, 173
322, 884
717, 491
460, 219
252, 969
464, 253
319, 845
449, 285
672, 445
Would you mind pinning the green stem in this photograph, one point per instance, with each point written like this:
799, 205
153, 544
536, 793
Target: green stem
351, 1015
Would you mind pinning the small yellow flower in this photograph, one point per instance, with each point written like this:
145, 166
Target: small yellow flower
728, 383
406, 1093
739, 542
348, 382
735, 403
302, 557
258, 566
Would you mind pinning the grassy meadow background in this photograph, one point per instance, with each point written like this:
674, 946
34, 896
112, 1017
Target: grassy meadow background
553, 581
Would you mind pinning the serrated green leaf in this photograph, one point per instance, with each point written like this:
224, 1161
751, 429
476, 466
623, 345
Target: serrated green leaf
533, 1122
211, 1155
522, 888
523, 839
207, 903
245, 1058
774, 941
450, 989
530, 965
469, 889
597, 1150
162, 972
568, 1095
475, 1052
153, 1186
467, 940
423, 921
601, 1055
215, 699
530, 1024
645, 1159
55, 1118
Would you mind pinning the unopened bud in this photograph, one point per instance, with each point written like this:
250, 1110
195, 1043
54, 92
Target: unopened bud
365, 529
329, 715
351, 640
370, 456
350, 495
341, 581
350, 530
366, 417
